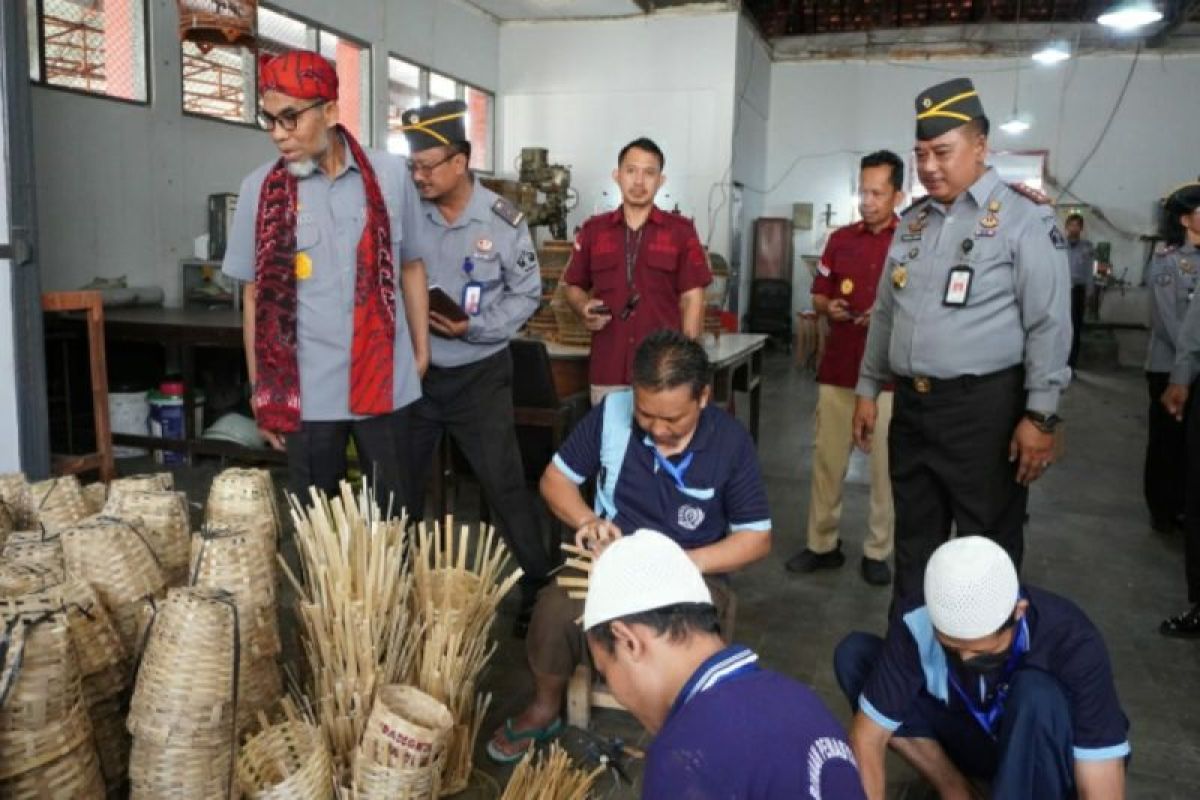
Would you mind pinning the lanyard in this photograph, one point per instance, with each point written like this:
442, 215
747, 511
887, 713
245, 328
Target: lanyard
989, 716
676, 472
632, 245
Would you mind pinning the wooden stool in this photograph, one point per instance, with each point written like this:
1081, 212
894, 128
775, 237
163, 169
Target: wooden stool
586, 690
102, 459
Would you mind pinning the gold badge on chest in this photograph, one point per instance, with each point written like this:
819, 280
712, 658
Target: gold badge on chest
991, 219
899, 276
847, 286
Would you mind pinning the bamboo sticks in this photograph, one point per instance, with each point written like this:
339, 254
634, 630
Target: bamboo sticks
549, 775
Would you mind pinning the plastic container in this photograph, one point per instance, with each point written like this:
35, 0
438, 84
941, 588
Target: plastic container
128, 412
167, 420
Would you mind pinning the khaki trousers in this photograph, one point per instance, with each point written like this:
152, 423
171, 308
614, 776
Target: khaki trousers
833, 440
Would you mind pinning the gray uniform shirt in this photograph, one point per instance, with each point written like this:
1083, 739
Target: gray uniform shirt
1081, 255
329, 222
1017, 310
1172, 281
503, 260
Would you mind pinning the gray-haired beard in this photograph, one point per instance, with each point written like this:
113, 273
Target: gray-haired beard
302, 169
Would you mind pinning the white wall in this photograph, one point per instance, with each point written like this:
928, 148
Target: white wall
824, 116
122, 189
10, 451
584, 89
750, 137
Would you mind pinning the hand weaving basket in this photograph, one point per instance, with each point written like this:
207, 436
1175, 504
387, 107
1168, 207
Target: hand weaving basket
288, 761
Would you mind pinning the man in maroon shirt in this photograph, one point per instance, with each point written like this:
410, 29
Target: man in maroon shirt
844, 291
634, 270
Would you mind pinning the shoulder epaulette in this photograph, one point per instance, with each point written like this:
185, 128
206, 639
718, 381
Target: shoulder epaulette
507, 211
915, 204
1163, 248
1029, 193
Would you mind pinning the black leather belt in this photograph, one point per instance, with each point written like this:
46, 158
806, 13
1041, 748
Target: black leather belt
922, 384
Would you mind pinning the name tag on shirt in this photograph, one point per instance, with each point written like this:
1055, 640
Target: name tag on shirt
958, 286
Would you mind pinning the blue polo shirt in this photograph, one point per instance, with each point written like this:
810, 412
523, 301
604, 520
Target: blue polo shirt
739, 731
717, 486
1062, 642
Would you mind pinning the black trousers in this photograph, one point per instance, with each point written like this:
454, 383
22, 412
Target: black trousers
317, 457
474, 404
1191, 527
1078, 304
1164, 479
948, 461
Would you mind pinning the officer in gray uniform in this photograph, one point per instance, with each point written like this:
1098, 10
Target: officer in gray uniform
972, 319
479, 253
1172, 279
1181, 226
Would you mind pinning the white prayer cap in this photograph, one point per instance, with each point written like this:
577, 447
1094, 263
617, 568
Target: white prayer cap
971, 587
641, 572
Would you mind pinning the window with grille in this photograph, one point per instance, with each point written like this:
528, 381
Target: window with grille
92, 46
222, 84
410, 85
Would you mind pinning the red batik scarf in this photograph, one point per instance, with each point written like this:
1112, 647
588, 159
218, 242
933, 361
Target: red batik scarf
276, 397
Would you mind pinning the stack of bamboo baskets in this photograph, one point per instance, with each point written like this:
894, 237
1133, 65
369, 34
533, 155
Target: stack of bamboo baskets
58, 502
46, 741
183, 715
455, 597
403, 747
163, 517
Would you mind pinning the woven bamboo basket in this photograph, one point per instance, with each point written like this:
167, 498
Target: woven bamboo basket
75, 775
108, 684
18, 496
59, 502
241, 564
115, 557
260, 686
376, 782
176, 772
35, 548
25, 750
164, 517
18, 579
95, 495
237, 492
144, 482
7, 521
39, 669
97, 643
112, 740
407, 728
185, 692
287, 761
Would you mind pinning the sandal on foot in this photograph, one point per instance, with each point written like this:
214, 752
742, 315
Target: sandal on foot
534, 736
1183, 626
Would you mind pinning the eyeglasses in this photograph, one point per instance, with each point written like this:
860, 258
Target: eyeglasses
425, 169
285, 119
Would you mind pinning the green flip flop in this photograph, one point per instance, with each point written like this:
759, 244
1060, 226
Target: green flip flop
534, 736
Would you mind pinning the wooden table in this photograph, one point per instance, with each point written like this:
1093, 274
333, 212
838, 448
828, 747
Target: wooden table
184, 330
737, 367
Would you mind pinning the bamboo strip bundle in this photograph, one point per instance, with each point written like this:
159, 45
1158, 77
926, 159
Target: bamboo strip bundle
115, 557
455, 596
58, 502
95, 495
353, 609
550, 775
164, 519
18, 496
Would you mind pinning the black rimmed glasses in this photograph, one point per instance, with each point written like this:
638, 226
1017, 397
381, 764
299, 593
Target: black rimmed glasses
425, 169
286, 119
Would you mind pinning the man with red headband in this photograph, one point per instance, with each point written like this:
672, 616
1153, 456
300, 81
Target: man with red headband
330, 352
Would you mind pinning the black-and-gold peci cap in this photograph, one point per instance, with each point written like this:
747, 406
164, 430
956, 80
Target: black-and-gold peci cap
946, 106
435, 125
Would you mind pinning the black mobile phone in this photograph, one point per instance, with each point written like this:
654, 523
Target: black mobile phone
602, 310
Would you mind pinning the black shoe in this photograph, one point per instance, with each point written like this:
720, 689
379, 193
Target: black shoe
808, 561
875, 572
1183, 626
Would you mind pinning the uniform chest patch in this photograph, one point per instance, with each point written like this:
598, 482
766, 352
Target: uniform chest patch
690, 517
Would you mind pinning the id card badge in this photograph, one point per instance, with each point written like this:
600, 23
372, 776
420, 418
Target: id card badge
471, 295
958, 286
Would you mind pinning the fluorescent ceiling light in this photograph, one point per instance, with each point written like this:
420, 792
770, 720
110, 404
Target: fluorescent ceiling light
1052, 54
1130, 16
1015, 126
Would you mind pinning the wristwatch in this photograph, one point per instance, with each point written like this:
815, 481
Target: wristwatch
1046, 423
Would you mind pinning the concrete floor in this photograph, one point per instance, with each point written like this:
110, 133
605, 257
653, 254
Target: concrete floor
1088, 538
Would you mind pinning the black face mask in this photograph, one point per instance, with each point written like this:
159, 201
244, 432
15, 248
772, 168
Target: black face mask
984, 664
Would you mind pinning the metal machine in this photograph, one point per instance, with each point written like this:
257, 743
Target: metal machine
543, 190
